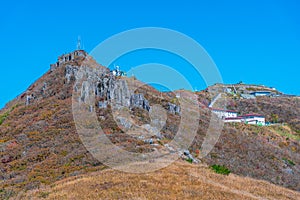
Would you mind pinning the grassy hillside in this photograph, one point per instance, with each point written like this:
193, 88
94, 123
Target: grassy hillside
178, 181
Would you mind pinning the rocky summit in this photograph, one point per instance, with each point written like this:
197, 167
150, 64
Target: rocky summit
40, 145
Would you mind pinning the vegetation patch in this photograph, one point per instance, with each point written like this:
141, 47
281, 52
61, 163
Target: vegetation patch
283, 132
289, 161
44, 194
6, 114
4, 194
3, 117
220, 169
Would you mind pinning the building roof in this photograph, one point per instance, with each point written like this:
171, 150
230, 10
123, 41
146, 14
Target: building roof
252, 115
252, 120
228, 118
249, 96
223, 110
260, 92
244, 116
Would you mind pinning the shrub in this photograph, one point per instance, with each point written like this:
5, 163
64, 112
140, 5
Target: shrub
289, 161
64, 153
3, 140
174, 101
220, 169
46, 115
160, 142
3, 117
5, 194
19, 166
274, 118
44, 194
197, 152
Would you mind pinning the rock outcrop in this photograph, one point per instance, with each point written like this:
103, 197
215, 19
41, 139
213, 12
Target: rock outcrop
173, 108
138, 100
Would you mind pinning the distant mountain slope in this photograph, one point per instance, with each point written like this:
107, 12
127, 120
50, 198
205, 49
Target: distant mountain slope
276, 106
277, 109
39, 144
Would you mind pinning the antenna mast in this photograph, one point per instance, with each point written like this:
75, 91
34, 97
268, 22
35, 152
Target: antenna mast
79, 43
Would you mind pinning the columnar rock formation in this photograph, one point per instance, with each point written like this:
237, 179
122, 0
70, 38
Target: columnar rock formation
67, 58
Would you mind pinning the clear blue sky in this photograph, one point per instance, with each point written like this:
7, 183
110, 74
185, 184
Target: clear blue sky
253, 41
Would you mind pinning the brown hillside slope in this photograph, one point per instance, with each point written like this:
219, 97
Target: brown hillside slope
39, 143
178, 181
269, 153
286, 109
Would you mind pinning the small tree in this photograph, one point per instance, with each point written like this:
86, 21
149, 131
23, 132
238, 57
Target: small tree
274, 118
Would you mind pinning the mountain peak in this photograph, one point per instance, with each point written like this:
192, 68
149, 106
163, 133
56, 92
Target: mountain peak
77, 55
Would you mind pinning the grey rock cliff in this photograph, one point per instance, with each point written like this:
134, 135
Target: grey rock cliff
138, 100
173, 108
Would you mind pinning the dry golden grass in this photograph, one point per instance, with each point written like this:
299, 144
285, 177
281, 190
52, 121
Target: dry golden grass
180, 180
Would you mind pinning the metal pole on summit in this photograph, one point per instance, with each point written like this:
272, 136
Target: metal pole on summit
78, 43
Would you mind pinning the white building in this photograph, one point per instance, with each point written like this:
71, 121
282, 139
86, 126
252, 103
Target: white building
224, 113
254, 119
248, 96
248, 119
261, 93
233, 119
118, 72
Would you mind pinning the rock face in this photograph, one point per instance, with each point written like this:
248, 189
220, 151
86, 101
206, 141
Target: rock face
173, 108
98, 81
108, 89
65, 58
138, 100
120, 93
124, 122
29, 98
105, 87
102, 104
94, 82
70, 72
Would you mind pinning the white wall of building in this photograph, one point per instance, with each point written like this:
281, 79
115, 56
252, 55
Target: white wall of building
224, 114
237, 120
247, 119
255, 120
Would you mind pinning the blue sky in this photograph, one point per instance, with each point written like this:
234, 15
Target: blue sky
250, 41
